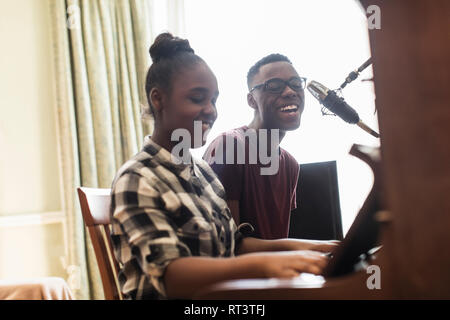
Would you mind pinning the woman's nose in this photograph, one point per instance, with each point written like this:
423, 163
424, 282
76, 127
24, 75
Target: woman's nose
210, 110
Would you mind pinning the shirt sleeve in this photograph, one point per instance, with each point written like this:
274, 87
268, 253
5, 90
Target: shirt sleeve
226, 166
139, 220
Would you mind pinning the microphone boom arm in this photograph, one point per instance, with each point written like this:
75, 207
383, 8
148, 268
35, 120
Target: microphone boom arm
355, 74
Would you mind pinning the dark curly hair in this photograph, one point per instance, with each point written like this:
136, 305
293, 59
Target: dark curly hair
169, 54
274, 57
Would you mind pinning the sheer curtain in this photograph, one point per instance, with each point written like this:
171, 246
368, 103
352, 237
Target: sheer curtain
100, 58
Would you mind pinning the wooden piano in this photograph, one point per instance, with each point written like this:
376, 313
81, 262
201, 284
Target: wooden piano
411, 63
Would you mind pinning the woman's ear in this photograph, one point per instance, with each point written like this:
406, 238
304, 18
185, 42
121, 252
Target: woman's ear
251, 101
156, 99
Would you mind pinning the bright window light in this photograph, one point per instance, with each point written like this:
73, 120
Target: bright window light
325, 40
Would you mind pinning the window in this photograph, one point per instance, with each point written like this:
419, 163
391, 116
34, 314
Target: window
325, 40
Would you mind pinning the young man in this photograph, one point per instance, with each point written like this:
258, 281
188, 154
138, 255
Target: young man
276, 93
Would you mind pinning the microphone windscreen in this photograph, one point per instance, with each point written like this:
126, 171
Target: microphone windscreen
339, 107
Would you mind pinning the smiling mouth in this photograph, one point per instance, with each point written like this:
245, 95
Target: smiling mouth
289, 108
207, 124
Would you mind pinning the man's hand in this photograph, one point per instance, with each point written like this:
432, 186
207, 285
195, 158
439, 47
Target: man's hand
322, 246
250, 245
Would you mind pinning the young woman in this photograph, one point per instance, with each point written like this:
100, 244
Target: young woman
172, 230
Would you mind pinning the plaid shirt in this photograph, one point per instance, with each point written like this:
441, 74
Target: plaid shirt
162, 211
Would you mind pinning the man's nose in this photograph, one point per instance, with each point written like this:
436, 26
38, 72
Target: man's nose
289, 92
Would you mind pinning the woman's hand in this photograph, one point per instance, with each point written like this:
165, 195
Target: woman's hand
286, 264
185, 276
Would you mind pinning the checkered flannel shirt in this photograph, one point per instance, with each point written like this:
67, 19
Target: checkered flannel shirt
162, 211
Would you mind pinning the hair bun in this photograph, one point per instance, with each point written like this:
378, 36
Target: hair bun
167, 46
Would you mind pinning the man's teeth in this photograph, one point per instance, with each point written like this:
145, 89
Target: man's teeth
289, 108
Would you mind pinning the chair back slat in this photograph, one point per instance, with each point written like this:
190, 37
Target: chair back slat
95, 206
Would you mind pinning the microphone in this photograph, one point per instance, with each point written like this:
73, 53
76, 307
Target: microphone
330, 100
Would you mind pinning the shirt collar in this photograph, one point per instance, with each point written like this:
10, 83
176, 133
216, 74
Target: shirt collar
165, 158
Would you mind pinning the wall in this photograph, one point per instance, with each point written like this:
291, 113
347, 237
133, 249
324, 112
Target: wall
31, 222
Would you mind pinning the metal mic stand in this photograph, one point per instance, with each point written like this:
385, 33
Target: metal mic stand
354, 74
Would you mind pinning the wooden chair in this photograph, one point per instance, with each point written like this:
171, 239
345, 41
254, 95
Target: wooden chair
95, 206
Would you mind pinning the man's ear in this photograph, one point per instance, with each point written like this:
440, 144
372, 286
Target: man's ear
251, 101
156, 99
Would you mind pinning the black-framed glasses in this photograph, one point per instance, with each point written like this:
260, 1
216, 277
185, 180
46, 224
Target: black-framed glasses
277, 85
